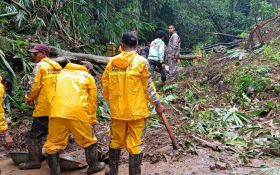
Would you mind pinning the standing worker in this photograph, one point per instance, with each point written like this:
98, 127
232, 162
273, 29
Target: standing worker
156, 55
42, 91
73, 110
3, 124
173, 52
127, 86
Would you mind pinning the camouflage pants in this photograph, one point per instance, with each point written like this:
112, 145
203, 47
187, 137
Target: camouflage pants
173, 68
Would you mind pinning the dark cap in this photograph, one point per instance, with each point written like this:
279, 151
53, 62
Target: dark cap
40, 48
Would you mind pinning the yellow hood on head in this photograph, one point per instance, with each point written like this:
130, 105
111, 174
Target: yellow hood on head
124, 59
72, 66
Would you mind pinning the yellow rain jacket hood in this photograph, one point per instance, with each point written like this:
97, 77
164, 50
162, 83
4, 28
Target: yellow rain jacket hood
3, 124
127, 86
43, 86
75, 95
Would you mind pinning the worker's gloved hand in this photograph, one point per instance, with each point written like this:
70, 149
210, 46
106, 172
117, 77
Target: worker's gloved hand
8, 139
160, 109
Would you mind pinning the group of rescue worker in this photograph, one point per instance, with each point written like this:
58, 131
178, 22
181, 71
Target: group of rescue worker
65, 102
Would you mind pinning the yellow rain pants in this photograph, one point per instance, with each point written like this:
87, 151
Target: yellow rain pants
60, 129
128, 134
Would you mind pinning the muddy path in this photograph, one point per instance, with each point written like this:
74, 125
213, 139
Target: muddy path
159, 158
187, 165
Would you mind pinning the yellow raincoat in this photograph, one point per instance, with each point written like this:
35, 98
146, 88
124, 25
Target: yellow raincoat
3, 124
75, 96
127, 86
73, 109
43, 86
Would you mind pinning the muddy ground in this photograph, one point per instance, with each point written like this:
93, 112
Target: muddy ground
159, 158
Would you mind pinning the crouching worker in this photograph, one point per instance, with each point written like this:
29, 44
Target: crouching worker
73, 110
127, 86
8, 141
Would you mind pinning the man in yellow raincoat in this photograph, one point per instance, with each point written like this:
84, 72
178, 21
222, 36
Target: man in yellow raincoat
3, 124
127, 86
73, 110
42, 91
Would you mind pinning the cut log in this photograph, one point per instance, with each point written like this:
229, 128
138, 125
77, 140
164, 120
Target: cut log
63, 55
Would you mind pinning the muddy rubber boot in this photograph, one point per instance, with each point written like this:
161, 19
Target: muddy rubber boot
114, 158
135, 161
35, 152
92, 159
53, 161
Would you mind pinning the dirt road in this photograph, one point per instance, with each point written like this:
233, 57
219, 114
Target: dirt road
186, 165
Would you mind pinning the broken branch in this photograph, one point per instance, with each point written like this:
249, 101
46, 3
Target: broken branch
216, 146
224, 34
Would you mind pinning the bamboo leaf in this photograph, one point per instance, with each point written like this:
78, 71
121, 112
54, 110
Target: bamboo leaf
6, 64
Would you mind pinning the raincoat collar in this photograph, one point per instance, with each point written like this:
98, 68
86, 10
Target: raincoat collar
72, 66
54, 64
124, 59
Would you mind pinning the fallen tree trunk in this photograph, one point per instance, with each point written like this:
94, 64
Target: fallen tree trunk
64, 55
59, 55
224, 34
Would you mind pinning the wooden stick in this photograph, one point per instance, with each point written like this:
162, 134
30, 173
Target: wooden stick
169, 131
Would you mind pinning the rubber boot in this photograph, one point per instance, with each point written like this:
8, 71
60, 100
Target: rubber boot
53, 161
92, 159
135, 161
114, 158
35, 153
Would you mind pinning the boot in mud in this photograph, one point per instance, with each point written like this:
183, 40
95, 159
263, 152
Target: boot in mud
92, 159
114, 158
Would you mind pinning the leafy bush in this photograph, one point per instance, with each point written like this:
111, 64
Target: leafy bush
249, 83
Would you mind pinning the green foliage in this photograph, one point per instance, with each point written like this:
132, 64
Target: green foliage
248, 82
232, 115
87, 24
272, 53
170, 87
154, 122
169, 98
261, 10
5, 66
237, 53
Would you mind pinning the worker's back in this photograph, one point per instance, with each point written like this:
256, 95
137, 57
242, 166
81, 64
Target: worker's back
124, 77
71, 98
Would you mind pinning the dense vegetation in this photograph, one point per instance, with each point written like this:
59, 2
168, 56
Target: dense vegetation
88, 25
231, 97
